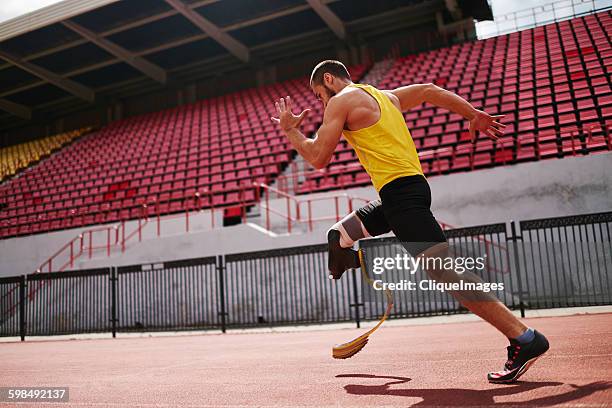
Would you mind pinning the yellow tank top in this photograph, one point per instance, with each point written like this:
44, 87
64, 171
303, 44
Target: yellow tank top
385, 149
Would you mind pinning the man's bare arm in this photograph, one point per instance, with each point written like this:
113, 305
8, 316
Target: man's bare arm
414, 95
318, 151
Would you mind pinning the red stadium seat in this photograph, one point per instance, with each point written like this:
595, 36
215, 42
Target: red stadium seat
551, 82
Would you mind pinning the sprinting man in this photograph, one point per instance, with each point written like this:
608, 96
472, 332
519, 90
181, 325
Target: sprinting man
372, 122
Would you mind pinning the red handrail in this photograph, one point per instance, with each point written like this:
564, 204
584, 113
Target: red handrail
298, 202
69, 246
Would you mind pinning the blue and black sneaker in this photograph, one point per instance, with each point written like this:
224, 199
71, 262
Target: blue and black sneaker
520, 358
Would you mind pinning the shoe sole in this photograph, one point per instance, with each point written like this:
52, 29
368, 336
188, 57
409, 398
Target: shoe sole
519, 373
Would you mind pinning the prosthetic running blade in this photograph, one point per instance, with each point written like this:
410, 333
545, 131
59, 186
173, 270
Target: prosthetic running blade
349, 349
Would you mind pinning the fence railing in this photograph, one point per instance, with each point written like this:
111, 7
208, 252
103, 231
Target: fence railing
544, 263
298, 210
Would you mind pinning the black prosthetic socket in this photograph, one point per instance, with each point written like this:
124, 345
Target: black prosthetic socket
339, 259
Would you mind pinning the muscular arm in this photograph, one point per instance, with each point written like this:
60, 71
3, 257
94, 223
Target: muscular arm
414, 95
319, 151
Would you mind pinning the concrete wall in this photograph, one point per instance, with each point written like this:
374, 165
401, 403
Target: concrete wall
24, 255
541, 189
530, 190
525, 191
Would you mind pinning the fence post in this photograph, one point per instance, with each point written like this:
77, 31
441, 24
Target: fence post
242, 202
288, 215
22, 300
267, 210
309, 215
337, 209
157, 216
356, 304
221, 305
122, 235
513, 239
113, 283
186, 215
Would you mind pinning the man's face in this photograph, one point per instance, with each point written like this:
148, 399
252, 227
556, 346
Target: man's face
323, 93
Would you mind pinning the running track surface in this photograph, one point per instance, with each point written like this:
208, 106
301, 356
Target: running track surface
441, 365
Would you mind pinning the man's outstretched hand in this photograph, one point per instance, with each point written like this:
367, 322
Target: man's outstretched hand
286, 119
487, 124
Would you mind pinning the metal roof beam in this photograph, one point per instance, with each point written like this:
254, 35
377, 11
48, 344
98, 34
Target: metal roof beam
16, 109
47, 16
149, 69
227, 41
179, 42
66, 84
205, 67
330, 18
454, 9
170, 13
202, 36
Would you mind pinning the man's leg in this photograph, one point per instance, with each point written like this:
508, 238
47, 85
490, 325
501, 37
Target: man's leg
368, 221
484, 304
406, 206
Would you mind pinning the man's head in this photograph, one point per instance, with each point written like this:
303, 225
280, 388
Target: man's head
327, 78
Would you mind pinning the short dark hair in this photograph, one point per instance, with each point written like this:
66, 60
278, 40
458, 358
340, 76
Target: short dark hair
336, 68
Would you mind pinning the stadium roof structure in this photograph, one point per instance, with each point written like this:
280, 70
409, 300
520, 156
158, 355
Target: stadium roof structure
76, 53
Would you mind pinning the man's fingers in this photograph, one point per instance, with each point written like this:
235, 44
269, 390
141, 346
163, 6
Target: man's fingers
282, 105
496, 130
303, 115
491, 135
499, 124
288, 103
275, 120
472, 134
278, 110
498, 116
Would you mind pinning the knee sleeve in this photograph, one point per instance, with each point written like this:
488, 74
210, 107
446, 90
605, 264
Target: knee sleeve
351, 230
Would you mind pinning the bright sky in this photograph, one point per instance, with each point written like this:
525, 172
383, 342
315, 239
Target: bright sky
525, 18
14, 8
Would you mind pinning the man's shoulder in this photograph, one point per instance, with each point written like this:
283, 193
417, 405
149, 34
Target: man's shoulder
350, 94
342, 98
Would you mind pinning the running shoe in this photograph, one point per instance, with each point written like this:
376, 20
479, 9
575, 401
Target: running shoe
520, 358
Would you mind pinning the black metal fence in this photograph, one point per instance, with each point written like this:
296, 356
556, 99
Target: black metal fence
566, 261
472, 241
546, 263
176, 295
283, 286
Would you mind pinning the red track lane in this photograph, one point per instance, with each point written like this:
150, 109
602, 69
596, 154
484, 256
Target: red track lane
441, 364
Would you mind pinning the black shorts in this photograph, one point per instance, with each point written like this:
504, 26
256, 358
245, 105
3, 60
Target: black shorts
404, 208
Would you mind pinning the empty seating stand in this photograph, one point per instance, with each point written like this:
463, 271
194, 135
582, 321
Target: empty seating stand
551, 83
18, 157
216, 147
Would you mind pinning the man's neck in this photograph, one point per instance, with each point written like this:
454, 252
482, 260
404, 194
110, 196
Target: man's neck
343, 85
